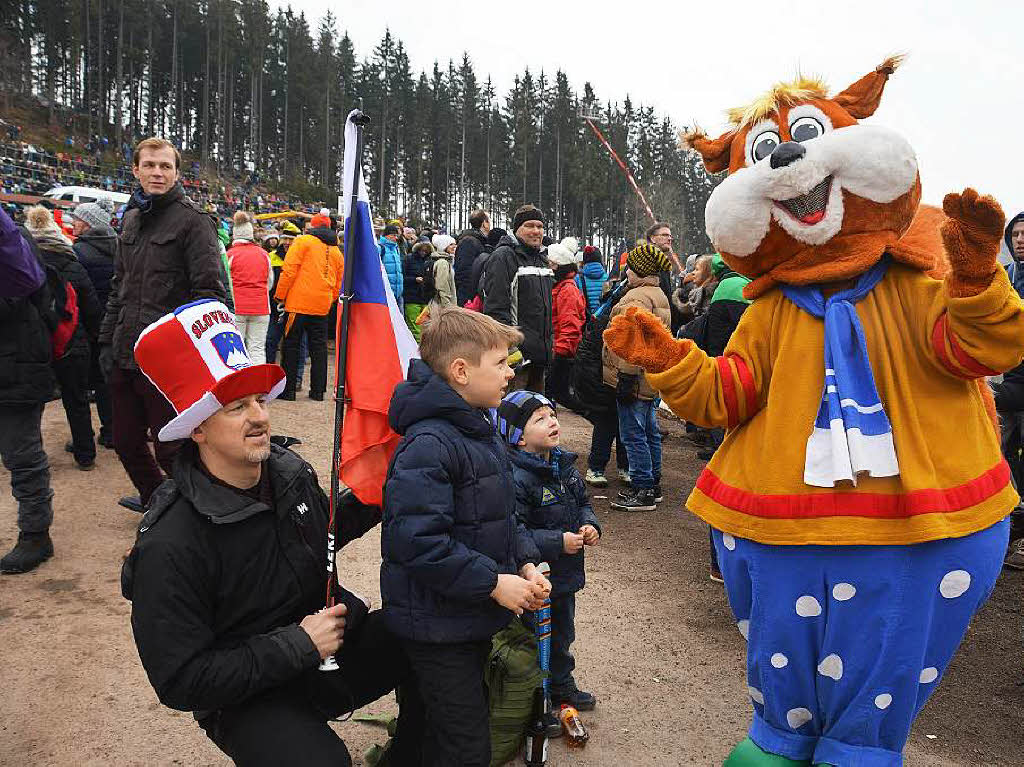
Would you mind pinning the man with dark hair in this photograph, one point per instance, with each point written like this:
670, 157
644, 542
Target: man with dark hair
169, 256
659, 234
227, 576
517, 285
471, 243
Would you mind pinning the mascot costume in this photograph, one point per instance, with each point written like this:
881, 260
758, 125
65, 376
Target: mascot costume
859, 501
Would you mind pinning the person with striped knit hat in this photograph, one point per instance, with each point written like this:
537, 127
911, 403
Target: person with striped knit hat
635, 399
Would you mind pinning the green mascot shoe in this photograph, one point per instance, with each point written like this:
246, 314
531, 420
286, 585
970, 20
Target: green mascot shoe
748, 754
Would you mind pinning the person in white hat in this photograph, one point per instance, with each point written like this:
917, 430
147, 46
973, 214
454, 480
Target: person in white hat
227, 577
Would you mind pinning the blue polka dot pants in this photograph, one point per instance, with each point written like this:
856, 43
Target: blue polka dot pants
846, 643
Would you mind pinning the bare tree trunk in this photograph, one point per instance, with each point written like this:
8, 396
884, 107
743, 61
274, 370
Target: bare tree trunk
287, 90
149, 73
206, 88
101, 101
120, 77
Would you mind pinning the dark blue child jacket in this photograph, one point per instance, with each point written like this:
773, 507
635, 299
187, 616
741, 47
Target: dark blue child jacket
449, 524
551, 499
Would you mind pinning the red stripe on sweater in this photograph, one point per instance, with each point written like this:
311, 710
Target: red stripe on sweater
872, 505
747, 382
963, 358
732, 404
939, 338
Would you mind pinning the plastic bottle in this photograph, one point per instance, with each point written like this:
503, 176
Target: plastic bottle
576, 735
536, 752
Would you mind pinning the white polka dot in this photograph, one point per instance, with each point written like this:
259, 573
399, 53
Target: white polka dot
729, 542
779, 660
744, 627
755, 695
883, 701
808, 607
928, 675
797, 717
955, 583
843, 591
832, 667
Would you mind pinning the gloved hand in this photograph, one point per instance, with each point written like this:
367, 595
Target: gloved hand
971, 234
642, 339
106, 361
626, 391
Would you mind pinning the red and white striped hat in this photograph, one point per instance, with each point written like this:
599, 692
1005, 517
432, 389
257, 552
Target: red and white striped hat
197, 359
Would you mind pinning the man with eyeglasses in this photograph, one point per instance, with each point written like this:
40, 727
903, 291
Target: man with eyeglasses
659, 234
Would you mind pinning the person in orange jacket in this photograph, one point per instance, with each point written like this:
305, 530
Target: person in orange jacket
310, 283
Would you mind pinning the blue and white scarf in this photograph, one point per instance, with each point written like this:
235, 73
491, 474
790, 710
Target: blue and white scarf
852, 433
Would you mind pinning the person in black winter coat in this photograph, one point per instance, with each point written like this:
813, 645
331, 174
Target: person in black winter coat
495, 236
96, 249
26, 383
227, 580
416, 267
451, 545
517, 285
551, 501
72, 368
471, 243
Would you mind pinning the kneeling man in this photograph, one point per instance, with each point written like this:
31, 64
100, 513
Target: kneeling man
227, 577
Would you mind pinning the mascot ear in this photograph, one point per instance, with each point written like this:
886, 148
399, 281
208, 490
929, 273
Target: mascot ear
714, 152
861, 99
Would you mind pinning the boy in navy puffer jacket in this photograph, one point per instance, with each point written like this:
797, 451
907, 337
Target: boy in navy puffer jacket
457, 565
551, 500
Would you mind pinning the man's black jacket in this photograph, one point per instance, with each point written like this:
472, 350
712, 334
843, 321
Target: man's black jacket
518, 283
219, 581
472, 243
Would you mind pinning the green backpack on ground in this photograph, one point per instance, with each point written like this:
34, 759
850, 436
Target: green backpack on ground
512, 675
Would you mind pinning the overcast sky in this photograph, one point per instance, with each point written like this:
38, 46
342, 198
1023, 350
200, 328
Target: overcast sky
959, 97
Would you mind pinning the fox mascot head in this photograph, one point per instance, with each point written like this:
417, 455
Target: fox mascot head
812, 195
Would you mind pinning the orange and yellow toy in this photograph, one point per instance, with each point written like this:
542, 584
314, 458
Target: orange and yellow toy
858, 502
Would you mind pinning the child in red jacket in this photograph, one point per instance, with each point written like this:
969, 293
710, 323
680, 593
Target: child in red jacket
568, 313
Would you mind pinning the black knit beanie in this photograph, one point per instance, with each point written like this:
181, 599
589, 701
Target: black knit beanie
522, 216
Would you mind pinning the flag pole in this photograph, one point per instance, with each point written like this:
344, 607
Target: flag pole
341, 340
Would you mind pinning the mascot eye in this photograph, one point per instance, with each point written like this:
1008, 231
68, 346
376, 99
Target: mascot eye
763, 145
806, 128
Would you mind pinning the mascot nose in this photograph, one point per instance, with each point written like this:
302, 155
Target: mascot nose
787, 153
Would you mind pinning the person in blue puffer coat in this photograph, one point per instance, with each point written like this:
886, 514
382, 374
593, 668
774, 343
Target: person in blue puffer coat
392, 259
456, 563
551, 500
592, 277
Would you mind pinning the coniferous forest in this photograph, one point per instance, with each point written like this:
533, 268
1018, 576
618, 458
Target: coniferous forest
245, 88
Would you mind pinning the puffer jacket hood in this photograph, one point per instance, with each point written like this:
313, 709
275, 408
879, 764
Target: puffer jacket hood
427, 395
103, 238
591, 279
1009, 228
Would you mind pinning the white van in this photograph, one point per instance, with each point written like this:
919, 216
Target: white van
86, 194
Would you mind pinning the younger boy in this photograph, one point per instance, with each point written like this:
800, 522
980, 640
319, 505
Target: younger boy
551, 500
450, 541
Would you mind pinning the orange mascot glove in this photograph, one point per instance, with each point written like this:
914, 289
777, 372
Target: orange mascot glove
972, 234
642, 339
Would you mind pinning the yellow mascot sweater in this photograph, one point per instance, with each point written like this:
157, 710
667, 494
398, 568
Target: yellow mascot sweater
926, 349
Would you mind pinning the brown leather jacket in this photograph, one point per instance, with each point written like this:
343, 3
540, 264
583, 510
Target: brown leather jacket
169, 256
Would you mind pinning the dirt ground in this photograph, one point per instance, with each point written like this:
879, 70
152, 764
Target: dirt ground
655, 639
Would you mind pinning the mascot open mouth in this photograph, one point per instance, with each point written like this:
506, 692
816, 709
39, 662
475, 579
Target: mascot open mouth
808, 208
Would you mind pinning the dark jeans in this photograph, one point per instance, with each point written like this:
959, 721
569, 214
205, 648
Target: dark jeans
530, 378
606, 431
289, 725
563, 634
450, 679
275, 332
73, 376
140, 408
638, 428
315, 329
21, 449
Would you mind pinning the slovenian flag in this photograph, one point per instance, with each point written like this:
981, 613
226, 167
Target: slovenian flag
380, 345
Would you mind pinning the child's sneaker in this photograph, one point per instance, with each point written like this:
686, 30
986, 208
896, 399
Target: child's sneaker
596, 478
641, 499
